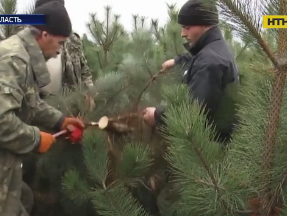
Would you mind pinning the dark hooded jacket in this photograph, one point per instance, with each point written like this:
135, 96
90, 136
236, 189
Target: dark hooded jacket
212, 78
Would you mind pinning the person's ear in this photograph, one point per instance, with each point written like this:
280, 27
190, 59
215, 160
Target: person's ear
45, 36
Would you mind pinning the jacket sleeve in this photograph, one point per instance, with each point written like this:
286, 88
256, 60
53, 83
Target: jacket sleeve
182, 60
206, 85
15, 135
159, 116
47, 116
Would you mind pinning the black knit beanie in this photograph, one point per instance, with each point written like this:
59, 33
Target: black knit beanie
198, 13
38, 3
58, 22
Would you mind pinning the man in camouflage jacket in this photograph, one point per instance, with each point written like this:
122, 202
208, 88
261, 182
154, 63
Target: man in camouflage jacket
75, 68
75, 71
23, 72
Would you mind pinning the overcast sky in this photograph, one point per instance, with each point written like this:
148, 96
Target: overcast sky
79, 10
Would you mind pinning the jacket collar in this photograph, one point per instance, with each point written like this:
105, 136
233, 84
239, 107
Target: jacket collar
209, 36
37, 60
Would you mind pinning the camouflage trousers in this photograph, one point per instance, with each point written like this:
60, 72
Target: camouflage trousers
27, 199
15, 195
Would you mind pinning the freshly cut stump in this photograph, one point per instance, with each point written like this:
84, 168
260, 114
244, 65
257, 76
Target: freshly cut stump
113, 125
103, 122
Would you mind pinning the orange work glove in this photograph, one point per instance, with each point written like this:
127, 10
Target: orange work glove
72, 121
46, 142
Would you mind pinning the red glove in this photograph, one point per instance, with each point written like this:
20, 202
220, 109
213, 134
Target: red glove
76, 135
46, 142
76, 132
72, 121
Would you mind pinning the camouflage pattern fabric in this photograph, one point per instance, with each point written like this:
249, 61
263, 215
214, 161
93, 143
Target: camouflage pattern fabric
17, 28
75, 68
22, 72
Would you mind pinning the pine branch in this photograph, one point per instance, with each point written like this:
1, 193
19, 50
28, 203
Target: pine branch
95, 36
274, 115
93, 26
95, 154
246, 16
154, 23
152, 79
110, 99
113, 199
143, 19
68, 102
135, 162
175, 45
135, 22
116, 32
196, 159
108, 10
242, 51
99, 59
75, 188
116, 201
107, 32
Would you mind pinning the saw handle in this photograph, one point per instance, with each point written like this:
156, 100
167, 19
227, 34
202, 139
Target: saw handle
70, 129
60, 133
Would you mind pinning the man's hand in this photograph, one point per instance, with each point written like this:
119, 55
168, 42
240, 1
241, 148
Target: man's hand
90, 102
72, 121
167, 65
148, 115
47, 140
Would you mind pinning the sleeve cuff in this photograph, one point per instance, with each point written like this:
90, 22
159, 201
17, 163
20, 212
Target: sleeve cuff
59, 124
158, 116
177, 60
38, 142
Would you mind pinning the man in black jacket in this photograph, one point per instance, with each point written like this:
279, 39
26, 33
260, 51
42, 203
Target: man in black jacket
212, 69
180, 60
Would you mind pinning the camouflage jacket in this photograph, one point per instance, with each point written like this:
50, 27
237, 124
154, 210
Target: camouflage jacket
22, 72
75, 68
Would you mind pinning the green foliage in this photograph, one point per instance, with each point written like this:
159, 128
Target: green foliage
194, 157
213, 180
113, 199
135, 161
109, 39
124, 64
168, 37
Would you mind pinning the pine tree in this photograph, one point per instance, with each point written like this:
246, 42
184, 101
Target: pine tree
168, 37
109, 41
115, 162
130, 152
249, 177
123, 167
